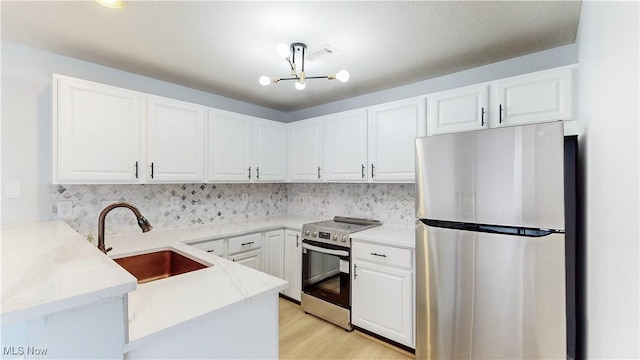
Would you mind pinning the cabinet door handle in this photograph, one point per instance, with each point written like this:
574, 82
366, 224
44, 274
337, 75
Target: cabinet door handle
500, 114
381, 255
363, 171
249, 172
372, 171
482, 116
249, 243
136, 169
355, 271
318, 172
152, 170
257, 172
297, 240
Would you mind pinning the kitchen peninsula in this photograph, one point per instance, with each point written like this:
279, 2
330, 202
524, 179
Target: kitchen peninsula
65, 282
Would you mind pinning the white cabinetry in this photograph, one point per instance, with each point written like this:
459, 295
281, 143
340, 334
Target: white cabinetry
175, 140
541, 96
383, 294
392, 131
293, 263
269, 150
217, 247
243, 148
230, 146
305, 150
96, 132
274, 253
458, 110
345, 146
247, 250
536, 97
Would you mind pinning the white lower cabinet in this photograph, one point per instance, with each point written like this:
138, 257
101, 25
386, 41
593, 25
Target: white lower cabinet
293, 263
274, 253
216, 247
247, 250
383, 291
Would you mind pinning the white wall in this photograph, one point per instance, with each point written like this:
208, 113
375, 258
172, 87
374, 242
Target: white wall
609, 99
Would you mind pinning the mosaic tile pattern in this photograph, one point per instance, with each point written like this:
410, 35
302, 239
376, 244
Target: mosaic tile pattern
198, 204
393, 204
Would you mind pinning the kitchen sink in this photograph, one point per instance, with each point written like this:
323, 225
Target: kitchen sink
158, 265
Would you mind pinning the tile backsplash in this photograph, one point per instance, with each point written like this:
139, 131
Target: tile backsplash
198, 204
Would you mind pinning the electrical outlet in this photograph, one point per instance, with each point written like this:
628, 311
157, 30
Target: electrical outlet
65, 208
175, 202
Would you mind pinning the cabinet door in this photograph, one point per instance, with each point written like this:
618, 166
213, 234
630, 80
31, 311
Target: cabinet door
305, 150
252, 259
345, 146
456, 110
274, 253
230, 147
270, 151
175, 140
537, 97
293, 263
392, 131
96, 133
382, 301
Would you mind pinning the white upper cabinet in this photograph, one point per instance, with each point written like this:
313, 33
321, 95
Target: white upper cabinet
96, 133
458, 110
269, 150
305, 150
541, 96
525, 99
230, 148
175, 141
392, 130
345, 146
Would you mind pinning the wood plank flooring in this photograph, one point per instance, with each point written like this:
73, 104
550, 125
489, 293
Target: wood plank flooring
304, 336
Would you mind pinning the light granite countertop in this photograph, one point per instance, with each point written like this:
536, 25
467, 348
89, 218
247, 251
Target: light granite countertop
42, 277
47, 267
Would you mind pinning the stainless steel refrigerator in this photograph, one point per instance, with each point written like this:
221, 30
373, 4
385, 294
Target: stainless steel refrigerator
491, 279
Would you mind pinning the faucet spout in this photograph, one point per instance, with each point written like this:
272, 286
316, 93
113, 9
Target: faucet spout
142, 222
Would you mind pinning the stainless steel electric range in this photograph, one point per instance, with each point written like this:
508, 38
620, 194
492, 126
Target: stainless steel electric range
326, 266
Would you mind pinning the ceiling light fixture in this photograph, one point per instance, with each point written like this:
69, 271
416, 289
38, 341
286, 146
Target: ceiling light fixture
294, 54
112, 4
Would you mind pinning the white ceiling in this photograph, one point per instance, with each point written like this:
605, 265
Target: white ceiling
223, 47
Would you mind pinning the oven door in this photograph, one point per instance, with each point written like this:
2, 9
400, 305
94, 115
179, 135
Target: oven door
325, 272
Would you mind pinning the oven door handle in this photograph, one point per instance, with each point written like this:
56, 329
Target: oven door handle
322, 250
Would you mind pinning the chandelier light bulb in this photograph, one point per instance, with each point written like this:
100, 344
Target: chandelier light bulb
300, 85
283, 50
264, 80
342, 76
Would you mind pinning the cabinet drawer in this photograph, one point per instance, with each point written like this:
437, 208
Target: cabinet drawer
245, 243
215, 247
381, 254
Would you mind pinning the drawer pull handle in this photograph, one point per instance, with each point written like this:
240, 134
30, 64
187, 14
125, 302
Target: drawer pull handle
381, 255
210, 251
249, 243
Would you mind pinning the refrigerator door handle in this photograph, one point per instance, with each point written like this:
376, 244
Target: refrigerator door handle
494, 229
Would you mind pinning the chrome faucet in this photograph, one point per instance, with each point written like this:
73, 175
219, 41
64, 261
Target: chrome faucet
142, 222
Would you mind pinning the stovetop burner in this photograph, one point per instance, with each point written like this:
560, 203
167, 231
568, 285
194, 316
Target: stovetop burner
338, 230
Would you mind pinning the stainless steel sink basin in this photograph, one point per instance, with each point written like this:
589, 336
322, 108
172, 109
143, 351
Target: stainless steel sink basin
158, 265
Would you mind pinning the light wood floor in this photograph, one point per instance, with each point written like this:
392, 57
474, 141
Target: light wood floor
304, 336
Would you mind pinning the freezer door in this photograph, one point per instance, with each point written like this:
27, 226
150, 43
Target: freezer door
489, 296
507, 176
